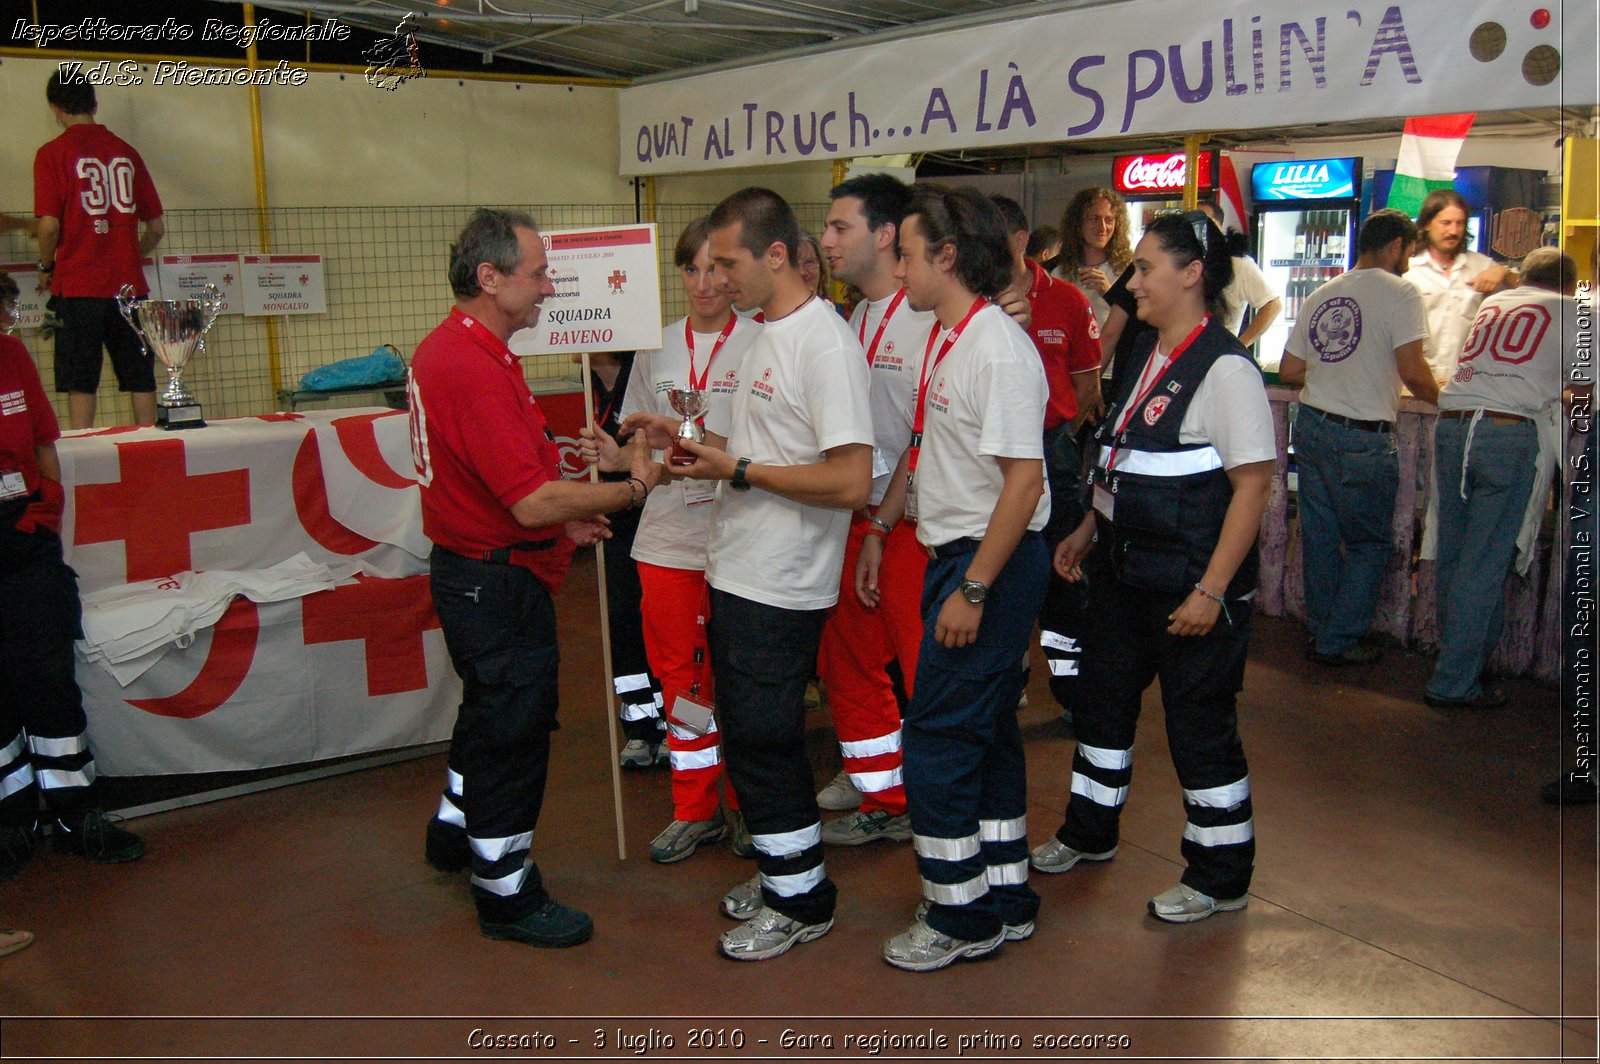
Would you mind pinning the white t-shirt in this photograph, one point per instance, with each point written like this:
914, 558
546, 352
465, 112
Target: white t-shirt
672, 532
1514, 356
802, 390
1347, 335
894, 380
1451, 303
985, 401
1249, 287
1229, 411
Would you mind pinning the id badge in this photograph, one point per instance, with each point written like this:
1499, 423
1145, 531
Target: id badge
693, 716
1104, 501
699, 492
12, 486
911, 497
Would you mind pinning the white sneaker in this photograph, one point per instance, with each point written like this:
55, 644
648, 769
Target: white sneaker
840, 795
1057, 856
922, 949
1012, 932
743, 901
1184, 905
768, 934
637, 753
857, 829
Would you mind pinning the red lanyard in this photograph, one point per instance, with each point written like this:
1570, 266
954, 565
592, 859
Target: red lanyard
698, 383
930, 366
872, 352
1134, 403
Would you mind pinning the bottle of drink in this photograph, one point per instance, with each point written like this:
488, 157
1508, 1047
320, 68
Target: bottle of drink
1300, 237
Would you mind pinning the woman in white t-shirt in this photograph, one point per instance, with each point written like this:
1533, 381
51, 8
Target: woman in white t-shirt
701, 351
1181, 480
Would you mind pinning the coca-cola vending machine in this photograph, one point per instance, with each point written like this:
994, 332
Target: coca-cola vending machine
1152, 184
1305, 214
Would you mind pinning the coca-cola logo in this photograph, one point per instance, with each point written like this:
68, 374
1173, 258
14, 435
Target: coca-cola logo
1158, 173
1140, 174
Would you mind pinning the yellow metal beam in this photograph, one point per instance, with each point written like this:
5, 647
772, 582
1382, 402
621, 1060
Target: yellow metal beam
1191, 173
263, 217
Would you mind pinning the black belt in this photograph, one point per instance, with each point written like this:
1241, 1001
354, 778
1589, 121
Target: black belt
1350, 422
969, 545
517, 554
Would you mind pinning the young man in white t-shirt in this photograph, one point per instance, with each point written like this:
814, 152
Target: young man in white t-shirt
973, 477
879, 622
795, 448
1358, 338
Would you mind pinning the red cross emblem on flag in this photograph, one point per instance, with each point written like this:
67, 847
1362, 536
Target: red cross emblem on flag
617, 279
388, 617
155, 527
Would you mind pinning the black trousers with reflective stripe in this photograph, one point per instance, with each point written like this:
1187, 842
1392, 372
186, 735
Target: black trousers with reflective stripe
623, 595
1200, 680
964, 761
1064, 613
763, 656
500, 627
40, 616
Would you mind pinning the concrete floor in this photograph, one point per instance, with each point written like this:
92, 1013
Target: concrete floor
1412, 899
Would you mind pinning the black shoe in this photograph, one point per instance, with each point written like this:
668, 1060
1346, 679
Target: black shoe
1568, 791
1488, 698
1356, 655
551, 924
93, 835
17, 847
446, 847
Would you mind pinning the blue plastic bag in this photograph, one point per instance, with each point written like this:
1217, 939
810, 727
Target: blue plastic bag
383, 365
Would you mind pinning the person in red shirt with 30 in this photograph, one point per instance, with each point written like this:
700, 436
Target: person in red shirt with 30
44, 746
98, 217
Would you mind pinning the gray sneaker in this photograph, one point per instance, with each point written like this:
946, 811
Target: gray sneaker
859, 828
743, 901
1184, 905
922, 949
679, 838
767, 934
743, 845
1057, 856
1013, 932
637, 753
840, 795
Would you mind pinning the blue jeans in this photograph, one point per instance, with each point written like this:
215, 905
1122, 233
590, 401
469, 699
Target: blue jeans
1477, 542
1348, 481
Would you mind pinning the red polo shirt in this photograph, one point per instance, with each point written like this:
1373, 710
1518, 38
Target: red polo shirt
480, 444
1067, 335
26, 422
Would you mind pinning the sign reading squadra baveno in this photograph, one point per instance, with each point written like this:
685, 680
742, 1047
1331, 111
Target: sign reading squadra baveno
1122, 68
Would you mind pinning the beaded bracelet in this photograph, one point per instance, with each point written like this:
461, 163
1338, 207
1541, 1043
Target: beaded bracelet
1218, 599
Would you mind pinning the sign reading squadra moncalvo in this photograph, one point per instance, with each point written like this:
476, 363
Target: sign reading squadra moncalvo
1128, 67
608, 293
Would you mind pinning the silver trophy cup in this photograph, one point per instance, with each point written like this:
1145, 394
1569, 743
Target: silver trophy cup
173, 329
691, 404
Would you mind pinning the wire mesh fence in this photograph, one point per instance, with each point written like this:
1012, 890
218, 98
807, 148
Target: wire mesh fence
385, 278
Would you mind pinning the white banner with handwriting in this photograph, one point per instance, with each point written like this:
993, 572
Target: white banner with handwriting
1136, 67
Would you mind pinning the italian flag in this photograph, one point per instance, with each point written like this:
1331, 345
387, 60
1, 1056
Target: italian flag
1428, 151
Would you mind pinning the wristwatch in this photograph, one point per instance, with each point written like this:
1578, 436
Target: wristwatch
974, 592
46, 269
738, 483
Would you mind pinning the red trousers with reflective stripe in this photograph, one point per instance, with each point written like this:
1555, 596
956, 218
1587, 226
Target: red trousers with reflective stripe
857, 646
674, 608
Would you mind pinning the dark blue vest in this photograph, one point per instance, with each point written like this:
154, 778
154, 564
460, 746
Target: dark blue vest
1170, 497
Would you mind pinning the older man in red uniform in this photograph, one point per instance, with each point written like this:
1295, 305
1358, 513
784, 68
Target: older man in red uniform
503, 524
